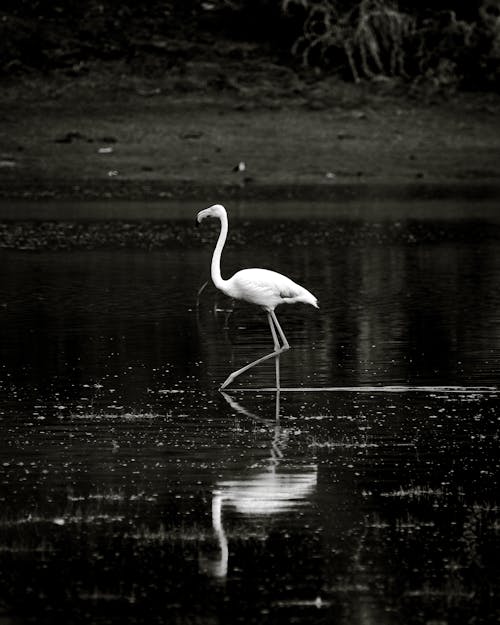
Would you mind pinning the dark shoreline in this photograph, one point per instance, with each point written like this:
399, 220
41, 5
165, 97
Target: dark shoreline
334, 192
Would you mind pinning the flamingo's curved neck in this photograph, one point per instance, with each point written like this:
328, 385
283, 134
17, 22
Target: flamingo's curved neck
218, 281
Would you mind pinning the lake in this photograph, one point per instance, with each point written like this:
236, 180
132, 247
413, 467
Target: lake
365, 492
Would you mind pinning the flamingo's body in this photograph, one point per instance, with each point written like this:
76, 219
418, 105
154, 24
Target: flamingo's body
261, 287
266, 288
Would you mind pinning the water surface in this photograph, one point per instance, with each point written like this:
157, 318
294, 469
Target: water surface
134, 492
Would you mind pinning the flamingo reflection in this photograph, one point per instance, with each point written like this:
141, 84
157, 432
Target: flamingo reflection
271, 491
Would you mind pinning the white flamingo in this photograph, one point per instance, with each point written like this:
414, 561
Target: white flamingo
262, 287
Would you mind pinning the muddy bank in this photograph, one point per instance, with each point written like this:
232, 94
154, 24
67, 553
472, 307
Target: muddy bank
260, 134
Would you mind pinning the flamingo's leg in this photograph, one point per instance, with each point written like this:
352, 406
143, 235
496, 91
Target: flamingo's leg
275, 354
276, 348
280, 330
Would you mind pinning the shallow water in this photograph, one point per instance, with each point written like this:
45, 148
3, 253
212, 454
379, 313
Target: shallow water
134, 492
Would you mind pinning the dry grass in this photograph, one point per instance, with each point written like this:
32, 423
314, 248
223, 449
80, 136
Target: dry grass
372, 35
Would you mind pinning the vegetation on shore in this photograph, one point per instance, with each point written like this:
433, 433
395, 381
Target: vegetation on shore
449, 42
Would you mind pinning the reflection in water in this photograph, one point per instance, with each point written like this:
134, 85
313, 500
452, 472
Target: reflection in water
218, 566
263, 494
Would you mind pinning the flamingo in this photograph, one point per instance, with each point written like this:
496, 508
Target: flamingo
261, 287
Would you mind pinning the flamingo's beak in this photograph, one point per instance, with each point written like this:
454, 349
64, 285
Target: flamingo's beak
201, 215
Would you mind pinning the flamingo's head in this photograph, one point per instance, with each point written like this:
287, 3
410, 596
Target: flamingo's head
217, 210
